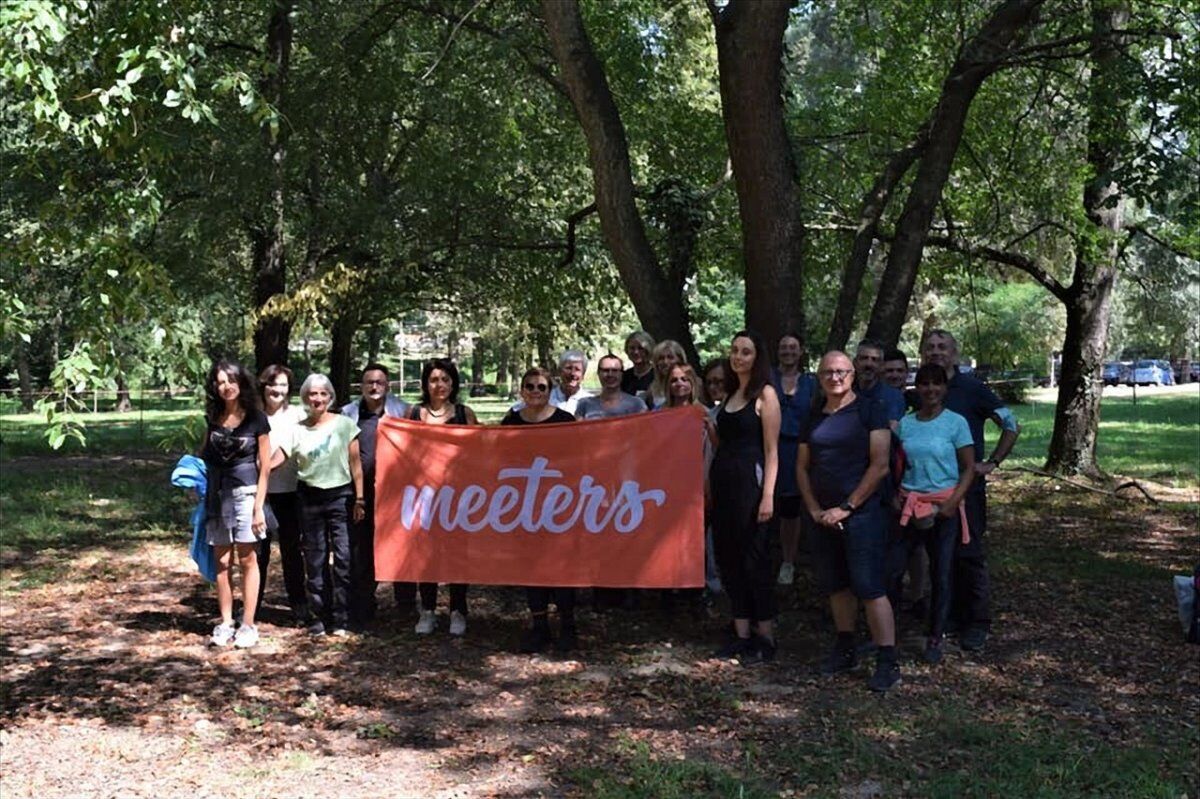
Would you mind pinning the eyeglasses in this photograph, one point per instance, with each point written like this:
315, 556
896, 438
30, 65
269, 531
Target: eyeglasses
536, 387
375, 382
836, 374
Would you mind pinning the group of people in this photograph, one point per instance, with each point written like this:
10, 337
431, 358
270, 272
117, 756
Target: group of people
885, 483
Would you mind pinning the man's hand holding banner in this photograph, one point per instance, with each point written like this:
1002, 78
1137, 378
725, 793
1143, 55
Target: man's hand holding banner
610, 503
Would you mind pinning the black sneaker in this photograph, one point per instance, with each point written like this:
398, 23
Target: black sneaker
735, 648
316, 627
973, 639
886, 676
535, 640
933, 652
759, 650
568, 639
839, 661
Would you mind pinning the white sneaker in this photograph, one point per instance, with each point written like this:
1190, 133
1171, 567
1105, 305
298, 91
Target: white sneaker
222, 635
458, 623
787, 574
427, 623
247, 636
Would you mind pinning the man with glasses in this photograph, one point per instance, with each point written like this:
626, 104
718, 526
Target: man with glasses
611, 401
969, 397
374, 403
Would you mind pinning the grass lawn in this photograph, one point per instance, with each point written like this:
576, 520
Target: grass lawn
1156, 438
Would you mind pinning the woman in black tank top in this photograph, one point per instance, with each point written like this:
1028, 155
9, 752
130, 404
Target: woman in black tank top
742, 483
439, 405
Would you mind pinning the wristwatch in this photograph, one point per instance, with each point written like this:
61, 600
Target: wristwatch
846, 506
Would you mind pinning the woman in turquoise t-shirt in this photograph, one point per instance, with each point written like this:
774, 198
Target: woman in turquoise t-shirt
939, 467
325, 446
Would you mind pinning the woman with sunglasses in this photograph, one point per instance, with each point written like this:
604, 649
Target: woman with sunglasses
742, 481
275, 383
535, 392
843, 458
439, 405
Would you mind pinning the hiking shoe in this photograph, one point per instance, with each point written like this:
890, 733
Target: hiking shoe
427, 623
839, 661
316, 627
340, 632
759, 651
734, 648
568, 639
458, 623
535, 640
246, 637
973, 639
933, 651
886, 676
787, 574
222, 635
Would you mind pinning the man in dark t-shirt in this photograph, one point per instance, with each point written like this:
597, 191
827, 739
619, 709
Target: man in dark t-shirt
967, 396
374, 403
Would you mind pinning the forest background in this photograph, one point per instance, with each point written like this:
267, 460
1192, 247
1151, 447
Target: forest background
313, 183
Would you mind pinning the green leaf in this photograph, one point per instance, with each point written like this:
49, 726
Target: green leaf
172, 99
133, 75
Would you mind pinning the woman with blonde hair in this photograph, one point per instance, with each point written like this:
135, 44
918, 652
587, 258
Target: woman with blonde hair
666, 355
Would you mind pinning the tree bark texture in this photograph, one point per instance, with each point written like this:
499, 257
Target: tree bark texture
123, 404
340, 348
874, 202
271, 335
661, 311
1089, 298
980, 56
749, 37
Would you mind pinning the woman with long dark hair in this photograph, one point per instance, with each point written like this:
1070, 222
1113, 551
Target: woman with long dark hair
742, 481
535, 392
439, 405
236, 453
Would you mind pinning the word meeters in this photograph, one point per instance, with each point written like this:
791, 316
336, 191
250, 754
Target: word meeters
561, 507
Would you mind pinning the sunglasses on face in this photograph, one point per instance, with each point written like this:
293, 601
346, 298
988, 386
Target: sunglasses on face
536, 387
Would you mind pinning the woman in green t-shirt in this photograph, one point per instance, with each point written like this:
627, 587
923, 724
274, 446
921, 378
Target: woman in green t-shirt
325, 446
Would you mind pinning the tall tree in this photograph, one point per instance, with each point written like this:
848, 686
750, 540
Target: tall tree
660, 309
750, 57
980, 57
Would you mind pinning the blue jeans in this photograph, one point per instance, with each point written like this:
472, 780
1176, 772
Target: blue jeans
854, 557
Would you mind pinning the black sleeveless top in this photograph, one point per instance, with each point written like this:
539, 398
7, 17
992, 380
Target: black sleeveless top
739, 433
459, 417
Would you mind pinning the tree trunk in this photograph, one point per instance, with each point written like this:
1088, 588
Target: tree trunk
123, 405
874, 202
24, 377
661, 311
374, 342
503, 359
1089, 298
340, 348
479, 350
981, 56
750, 59
271, 334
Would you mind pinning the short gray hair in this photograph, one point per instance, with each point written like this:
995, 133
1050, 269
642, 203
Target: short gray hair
317, 380
572, 355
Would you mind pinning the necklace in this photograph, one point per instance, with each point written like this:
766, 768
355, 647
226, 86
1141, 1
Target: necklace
430, 412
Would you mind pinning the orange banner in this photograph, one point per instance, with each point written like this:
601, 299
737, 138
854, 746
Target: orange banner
612, 502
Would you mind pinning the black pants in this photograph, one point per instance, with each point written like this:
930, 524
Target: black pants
939, 542
458, 596
326, 518
286, 507
538, 597
362, 564
970, 604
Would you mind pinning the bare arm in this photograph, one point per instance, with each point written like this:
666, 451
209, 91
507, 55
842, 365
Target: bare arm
966, 476
356, 474
803, 460
1008, 439
470, 414
259, 523
769, 413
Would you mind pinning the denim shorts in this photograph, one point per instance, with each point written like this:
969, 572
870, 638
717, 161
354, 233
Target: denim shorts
234, 525
855, 557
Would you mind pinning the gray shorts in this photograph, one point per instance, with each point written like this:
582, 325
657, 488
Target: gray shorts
234, 524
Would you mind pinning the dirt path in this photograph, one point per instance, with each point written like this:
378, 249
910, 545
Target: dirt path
109, 688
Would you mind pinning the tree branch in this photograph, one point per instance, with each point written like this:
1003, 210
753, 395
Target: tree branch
1140, 230
572, 221
1016, 260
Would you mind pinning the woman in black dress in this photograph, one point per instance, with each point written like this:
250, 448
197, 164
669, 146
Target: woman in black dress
439, 405
742, 481
535, 391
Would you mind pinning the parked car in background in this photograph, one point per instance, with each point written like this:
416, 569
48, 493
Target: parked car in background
1115, 373
1168, 372
1148, 373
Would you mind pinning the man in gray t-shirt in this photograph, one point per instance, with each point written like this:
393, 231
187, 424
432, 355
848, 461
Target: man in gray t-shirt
611, 401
